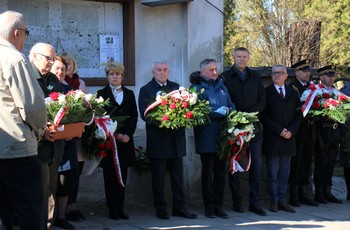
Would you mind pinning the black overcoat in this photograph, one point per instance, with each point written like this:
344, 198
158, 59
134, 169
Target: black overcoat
279, 114
126, 151
162, 143
247, 94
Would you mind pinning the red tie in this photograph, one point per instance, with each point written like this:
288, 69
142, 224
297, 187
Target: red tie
281, 93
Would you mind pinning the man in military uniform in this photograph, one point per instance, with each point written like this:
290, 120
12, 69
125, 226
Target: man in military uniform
327, 145
301, 163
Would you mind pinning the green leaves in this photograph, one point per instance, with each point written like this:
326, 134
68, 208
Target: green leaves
237, 130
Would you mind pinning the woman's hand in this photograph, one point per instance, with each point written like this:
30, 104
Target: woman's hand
125, 138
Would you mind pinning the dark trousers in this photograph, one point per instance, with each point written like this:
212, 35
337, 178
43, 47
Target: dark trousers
115, 193
254, 176
21, 190
326, 152
300, 166
158, 168
277, 177
213, 179
72, 198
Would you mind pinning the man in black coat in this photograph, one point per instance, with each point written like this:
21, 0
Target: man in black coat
247, 93
301, 163
281, 119
165, 147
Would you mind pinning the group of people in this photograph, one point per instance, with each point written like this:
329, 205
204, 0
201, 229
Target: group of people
35, 168
288, 141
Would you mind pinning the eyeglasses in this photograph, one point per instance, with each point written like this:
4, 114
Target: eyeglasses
278, 73
48, 58
25, 30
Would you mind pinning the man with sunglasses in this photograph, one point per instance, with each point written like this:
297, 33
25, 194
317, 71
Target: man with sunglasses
22, 122
301, 163
42, 57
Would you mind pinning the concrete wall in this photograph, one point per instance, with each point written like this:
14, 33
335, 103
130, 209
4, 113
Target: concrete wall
184, 35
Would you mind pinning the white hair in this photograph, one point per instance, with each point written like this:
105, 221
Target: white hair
9, 20
37, 48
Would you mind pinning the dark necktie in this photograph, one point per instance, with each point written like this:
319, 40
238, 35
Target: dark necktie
281, 93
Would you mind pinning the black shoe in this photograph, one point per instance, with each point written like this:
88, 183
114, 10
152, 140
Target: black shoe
81, 216
220, 213
209, 212
307, 201
238, 208
122, 215
285, 207
74, 216
162, 214
331, 198
113, 214
294, 202
257, 210
320, 200
63, 223
184, 213
273, 207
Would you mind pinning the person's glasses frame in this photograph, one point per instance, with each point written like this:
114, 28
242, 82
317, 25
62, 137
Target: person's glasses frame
25, 30
48, 58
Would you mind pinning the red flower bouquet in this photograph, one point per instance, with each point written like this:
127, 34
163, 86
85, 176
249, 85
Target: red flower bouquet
179, 108
69, 112
320, 102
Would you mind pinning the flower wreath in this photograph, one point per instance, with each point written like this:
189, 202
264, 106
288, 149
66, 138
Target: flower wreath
234, 140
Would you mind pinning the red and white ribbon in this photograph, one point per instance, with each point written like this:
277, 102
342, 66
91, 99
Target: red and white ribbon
61, 112
101, 122
310, 98
234, 165
154, 104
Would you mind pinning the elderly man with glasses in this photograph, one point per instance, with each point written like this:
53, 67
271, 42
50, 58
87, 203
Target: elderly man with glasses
281, 121
22, 122
42, 57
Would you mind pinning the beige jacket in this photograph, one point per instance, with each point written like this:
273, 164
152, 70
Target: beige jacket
22, 107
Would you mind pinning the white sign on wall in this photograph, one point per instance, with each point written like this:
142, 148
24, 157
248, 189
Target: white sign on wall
109, 49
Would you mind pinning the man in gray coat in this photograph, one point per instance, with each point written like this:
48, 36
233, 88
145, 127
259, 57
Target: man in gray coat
22, 122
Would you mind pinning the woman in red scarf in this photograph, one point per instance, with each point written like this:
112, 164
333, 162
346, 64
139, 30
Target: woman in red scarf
72, 77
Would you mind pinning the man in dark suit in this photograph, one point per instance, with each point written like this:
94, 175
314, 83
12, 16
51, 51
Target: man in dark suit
281, 121
247, 93
165, 147
301, 163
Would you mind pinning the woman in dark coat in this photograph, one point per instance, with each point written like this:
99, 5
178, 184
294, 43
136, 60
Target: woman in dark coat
122, 103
